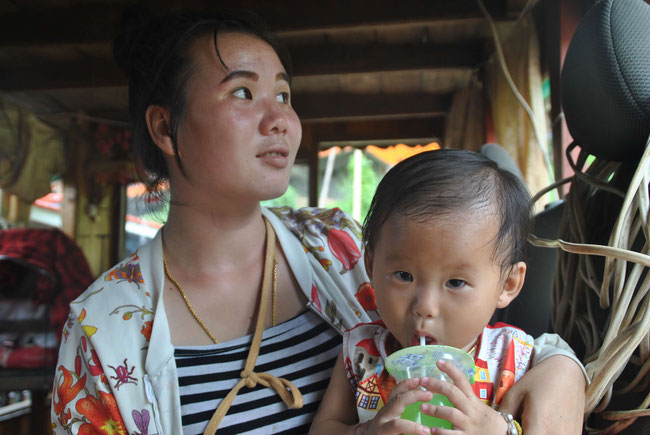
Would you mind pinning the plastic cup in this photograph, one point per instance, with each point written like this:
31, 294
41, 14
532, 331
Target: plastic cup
420, 361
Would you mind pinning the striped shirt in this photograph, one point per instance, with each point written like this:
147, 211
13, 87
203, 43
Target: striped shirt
302, 350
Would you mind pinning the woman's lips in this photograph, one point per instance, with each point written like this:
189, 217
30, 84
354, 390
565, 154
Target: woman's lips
278, 159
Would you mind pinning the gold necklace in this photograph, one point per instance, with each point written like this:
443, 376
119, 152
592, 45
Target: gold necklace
194, 313
471, 351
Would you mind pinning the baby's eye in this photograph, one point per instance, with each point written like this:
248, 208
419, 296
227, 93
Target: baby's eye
456, 284
243, 93
404, 276
283, 97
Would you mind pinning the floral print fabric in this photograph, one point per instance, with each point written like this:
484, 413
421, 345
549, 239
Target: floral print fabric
116, 372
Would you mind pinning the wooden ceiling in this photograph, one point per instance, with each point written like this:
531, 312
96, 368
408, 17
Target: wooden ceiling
363, 70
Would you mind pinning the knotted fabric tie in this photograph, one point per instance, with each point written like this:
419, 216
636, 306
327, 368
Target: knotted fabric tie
288, 392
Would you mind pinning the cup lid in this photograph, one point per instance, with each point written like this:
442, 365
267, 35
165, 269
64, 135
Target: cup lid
406, 359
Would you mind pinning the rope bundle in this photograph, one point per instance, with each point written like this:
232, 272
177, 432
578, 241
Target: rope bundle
602, 297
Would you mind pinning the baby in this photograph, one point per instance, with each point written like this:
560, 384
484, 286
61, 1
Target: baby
445, 239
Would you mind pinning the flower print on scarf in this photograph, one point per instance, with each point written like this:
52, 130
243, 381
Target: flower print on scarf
344, 248
313, 225
146, 329
96, 369
65, 393
130, 310
141, 420
89, 330
103, 415
366, 297
129, 271
315, 300
67, 327
332, 313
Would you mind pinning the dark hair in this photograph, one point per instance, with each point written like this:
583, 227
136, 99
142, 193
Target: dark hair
154, 52
444, 182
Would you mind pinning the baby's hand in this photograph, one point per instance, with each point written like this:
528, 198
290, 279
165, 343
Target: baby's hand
470, 415
389, 418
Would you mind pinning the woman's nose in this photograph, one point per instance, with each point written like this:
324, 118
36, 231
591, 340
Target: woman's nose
274, 120
426, 304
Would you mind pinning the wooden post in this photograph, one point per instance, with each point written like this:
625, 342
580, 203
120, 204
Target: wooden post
357, 184
309, 150
561, 18
89, 206
14, 209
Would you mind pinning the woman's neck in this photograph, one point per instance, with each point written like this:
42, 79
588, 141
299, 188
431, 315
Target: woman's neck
200, 240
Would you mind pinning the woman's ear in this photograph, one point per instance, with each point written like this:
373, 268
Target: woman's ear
157, 118
512, 284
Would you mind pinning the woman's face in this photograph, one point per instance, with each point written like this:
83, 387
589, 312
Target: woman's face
239, 136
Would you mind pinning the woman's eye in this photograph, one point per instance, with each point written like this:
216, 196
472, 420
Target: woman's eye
283, 97
456, 284
404, 276
243, 93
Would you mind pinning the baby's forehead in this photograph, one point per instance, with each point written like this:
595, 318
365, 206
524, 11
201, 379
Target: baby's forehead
471, 214
485, 218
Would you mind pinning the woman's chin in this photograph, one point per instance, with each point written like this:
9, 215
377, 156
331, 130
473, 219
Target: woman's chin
274, 193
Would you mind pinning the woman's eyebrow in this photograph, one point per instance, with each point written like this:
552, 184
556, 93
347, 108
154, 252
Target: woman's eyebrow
283, 76
240, 73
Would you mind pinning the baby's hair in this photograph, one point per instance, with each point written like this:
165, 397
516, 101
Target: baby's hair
154, 51
448, 182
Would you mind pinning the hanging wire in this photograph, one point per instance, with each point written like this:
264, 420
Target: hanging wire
506, 73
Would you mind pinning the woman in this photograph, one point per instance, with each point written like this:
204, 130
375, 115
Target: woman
161, 340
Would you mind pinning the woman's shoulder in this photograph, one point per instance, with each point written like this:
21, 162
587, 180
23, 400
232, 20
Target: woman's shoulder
330, 242
330, 236
124, 282
314, 221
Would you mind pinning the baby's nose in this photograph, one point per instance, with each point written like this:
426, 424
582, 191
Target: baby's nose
427, 304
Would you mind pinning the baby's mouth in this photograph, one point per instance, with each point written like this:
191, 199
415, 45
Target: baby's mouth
428, 340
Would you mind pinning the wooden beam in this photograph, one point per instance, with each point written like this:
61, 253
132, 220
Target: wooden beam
311, 107
98, 22
298, 14
312, 59
377, 129
87, 73
88, 24
325, 58
335, 106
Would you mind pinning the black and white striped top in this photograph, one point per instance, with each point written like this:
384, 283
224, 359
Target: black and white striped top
302, 350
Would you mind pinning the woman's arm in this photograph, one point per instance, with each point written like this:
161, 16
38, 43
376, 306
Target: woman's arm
549, 398
81, 397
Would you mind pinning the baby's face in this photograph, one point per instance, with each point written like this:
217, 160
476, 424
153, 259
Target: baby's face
438, 279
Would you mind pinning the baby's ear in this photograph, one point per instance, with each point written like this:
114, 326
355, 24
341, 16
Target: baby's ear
512, 284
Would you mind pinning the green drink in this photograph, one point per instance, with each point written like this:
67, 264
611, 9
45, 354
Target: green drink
413, 413
420, 361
